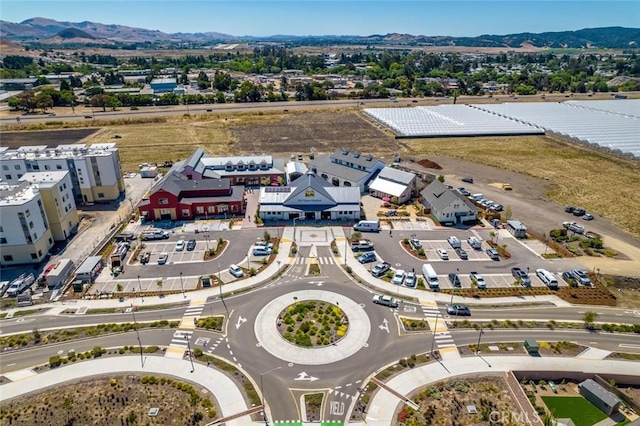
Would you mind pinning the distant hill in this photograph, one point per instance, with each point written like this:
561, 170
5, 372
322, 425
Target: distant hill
43, 28
74, 33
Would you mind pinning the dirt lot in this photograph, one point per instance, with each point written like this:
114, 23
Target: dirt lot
112, 401
51, 138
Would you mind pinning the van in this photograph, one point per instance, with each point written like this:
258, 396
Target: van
430, 276
476, 197
475, 243
367, 226
547, 277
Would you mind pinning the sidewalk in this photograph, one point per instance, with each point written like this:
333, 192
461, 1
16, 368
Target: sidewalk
228, 396
383, 404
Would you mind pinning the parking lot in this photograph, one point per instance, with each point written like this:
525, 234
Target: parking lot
494, 281
430, 247
169, 247
144, 284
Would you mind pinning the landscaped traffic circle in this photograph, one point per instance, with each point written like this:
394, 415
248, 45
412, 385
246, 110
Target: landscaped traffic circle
312, 323
270, 320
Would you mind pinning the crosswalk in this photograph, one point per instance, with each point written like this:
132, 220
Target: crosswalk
439, 329
324, 260
180, 339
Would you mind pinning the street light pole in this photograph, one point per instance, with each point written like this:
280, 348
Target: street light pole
264, 400
135, 324
479, 336
220, 287
433, 339
188, 337
182, 285
140, 287
294, 228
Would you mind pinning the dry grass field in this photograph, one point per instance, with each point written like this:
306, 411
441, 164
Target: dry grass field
602, 183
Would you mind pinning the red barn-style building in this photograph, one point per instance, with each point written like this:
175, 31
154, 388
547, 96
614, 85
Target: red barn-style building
175, 197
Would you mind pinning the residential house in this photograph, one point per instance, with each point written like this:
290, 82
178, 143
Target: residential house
447, 206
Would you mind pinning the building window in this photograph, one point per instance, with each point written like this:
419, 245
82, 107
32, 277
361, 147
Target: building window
1, 229
58, 166
27, 213
185, 212
3, 240
234, 208
8, 258
5, 167
17, 166
36, 167
199, 209
100, 195
8, 177
46, 167
34, 256
51, 240
39, 253
211, 209
19, 175
163, 201
31, 225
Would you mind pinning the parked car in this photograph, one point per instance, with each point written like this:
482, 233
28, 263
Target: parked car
162, 259
578, 212
410, 279
458, 310
180, 245
236, 271
581, 277
367, 257
380, 269
264, 244
569, 278
144, 257
261, 251
191, 245
467, 179
496, 207
415, 243
389, 301
463, 191
520, 274
569, 209
398, 277
578, 229
588, 216
455, 279
443, 254
493, 253
479, 279
462, 254
362, 245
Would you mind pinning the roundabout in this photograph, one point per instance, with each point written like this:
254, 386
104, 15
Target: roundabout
270, 338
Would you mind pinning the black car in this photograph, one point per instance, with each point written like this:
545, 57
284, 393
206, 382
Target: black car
191, 245
579, 212
569, 278
455, 279
569, 209
462, 254
467, 179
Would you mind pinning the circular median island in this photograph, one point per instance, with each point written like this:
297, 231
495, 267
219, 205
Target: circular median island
312, 323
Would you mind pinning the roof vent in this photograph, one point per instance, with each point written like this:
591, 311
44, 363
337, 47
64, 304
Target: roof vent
356, 155
369, 157
345, 151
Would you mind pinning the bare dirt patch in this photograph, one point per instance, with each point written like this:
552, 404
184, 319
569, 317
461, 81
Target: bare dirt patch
51, 138
324, 131
430, 164
113, 401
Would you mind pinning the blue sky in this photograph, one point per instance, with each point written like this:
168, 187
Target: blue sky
358, 17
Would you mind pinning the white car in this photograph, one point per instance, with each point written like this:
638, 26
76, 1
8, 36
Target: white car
398, 277
162, 259
443, 254
180, 245
410, 279
236, 271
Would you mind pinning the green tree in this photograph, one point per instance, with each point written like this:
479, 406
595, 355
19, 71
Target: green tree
44, 101
113, 103
589, 317
441, 178
100, 101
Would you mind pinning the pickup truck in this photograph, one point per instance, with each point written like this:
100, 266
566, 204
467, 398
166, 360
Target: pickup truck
362, 245
521, 275
155, 235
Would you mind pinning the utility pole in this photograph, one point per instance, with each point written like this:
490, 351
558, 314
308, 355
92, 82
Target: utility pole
135, 324
264, 400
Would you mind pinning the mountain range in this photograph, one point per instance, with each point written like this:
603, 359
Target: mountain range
48, 30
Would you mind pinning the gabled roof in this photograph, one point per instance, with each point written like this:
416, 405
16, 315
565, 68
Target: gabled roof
440, 197
193, 160
604, 395
323, 164
355, 157
175, 183
395, 175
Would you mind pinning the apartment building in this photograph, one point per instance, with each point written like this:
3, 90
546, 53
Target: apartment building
95, 171
57, 197
25, 235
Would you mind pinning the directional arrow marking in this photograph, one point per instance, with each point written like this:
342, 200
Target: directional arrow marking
305, 376
240, 322
385, 325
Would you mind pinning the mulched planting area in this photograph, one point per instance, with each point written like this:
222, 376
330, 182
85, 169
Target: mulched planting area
312, 323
